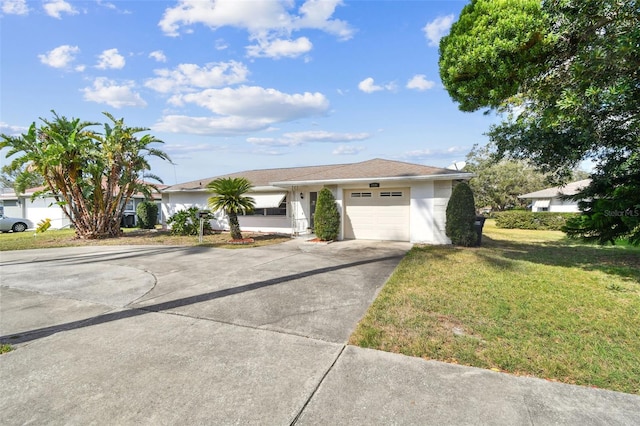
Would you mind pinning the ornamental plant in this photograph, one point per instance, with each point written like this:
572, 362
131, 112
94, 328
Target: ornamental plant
327, 217
461, 216
187, 222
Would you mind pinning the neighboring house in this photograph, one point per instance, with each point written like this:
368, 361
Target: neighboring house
40, 208
551, 199
377, 199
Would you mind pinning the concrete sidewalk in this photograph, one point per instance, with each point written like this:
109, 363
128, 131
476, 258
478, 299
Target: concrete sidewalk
173, 335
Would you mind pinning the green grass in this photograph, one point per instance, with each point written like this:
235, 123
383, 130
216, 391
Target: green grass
526, 302
66, 238
4, 348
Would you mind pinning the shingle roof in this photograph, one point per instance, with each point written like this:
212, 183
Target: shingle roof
371, 169
568, 189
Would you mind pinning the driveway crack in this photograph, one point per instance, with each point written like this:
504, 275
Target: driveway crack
326, 373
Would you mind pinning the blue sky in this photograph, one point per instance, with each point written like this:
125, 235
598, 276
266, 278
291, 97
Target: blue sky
233, 85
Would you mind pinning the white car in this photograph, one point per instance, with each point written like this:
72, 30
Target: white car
14, 224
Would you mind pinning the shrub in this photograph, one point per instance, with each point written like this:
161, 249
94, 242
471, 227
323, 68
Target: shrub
461, 216
327, 217
147, 212
187, 222
522, 219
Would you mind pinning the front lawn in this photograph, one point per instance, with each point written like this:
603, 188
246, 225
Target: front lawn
66, 238
526, 302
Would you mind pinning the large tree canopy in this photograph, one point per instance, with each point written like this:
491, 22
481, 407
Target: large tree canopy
91, 175
567, 73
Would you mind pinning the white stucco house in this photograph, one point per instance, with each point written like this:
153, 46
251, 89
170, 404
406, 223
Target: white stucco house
551, 199
377, 199
40, 208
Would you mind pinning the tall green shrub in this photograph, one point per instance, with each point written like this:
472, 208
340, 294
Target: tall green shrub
461, 216
147, 212
327, 217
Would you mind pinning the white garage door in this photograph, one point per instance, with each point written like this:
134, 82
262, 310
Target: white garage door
377, 214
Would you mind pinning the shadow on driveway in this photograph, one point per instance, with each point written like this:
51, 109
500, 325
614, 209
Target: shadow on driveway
31, 335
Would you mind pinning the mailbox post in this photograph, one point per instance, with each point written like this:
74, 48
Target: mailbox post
202, 215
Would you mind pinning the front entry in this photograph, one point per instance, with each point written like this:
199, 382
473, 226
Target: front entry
313, 199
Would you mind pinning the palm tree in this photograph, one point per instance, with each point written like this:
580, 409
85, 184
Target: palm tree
90, 175
229, 197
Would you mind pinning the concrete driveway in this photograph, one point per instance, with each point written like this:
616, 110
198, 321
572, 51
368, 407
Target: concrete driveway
174, 335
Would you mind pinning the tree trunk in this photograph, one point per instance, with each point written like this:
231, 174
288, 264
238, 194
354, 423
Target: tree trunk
234, 225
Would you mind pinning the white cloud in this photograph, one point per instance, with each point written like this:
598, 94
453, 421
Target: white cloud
105, 91
241, 110
367, 85
214, 126
271, 23
347, 150
15, 7
280, 48
221, 44
324, 136
55, 8
259, 103
257, 17
158, 55
311, 136
187, 77
110, 58
437, 28
60, 57
10, 130
420, 82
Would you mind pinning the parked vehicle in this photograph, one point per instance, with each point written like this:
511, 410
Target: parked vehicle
14, 224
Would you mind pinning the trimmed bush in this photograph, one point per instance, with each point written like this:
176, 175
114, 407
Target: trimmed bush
147, 212
522, 219
187, 222
461, 216
327, 217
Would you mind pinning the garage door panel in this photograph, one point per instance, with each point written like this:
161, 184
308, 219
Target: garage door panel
382, 216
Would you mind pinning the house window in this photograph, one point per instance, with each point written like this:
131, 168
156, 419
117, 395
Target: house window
281, 210
391, 194
10, 203
360, 195
129, 206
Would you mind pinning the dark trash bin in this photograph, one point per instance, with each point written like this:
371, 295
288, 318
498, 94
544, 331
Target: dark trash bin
128, 221
478, 224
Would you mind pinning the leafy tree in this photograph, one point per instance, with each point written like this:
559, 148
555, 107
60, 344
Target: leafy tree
17, 180
91, 175
498, 183
461, 216
147, 212
326, 219
187, 222
566, 74
229, 197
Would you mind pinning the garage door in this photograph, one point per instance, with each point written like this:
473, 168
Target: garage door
377, 214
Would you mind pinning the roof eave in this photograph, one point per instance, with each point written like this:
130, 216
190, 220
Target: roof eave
447, 176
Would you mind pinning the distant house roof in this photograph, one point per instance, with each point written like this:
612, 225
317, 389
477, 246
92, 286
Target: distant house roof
558, 191
376, 169
11, 195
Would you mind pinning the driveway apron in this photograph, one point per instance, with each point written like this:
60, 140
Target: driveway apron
166, 335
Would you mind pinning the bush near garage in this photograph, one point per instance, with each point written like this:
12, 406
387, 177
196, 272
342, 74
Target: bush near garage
187, 222
147, 212
522, 219
461, 216
327, 217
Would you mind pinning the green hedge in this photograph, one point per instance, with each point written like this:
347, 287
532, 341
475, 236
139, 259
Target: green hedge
520, 219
